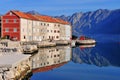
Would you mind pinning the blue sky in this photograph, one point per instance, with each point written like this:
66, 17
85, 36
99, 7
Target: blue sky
58, 7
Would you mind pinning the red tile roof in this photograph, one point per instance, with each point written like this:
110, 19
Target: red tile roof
20, 14
31, 17
39, 17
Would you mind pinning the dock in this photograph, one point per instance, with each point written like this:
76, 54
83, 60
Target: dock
62, 42
46, 44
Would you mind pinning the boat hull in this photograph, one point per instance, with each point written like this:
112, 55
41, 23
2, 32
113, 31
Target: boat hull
84, 42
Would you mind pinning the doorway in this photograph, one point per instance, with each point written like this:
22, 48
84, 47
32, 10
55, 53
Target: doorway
7, 36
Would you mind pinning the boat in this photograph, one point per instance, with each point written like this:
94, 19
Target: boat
81, 42
85, 40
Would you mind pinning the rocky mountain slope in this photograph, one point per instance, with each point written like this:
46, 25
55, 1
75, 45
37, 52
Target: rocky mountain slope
101, 21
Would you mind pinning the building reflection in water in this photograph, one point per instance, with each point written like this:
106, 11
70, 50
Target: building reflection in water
49, 58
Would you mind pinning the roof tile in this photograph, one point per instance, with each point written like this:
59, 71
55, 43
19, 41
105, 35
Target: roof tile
39, 17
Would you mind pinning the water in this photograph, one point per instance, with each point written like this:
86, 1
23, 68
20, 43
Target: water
95, 62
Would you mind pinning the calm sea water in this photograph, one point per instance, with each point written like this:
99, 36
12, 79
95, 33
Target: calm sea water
93, 62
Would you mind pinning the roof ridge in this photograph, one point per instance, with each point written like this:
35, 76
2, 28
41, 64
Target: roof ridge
37, 17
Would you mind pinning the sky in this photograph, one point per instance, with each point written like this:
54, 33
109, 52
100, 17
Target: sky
57, 7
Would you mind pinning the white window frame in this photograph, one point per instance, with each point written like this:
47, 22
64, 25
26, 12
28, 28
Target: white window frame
15, 30
15, 21
6, 29
6, 21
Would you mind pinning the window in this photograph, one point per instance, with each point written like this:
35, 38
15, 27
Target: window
30, 37
41, 24
57, 36
57, 49
58, 31
15, 20
54, 31
6, 29
58, 25
41, 64
23, 30
58, 55
44, 64
24, 37
47, 24
44, 24
15, 30
47, 62
6, 20
54, 55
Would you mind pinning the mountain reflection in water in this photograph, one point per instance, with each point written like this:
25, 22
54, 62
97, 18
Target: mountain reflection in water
101, 55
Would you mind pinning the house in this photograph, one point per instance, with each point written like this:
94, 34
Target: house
26, 27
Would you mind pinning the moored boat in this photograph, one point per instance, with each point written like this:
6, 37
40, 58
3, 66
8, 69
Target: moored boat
85, 40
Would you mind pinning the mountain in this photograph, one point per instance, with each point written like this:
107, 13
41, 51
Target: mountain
99, 22
33, 12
